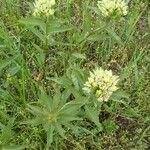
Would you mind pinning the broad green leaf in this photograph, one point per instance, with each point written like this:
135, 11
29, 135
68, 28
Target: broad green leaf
78, 130
36, 121
75, 81
50, 134
60, 130
56, 99
114, 35
37, 33
64, 97
64, 118
132, 112
71, 107
35, 110
55, 23
66, 82
93, 115
32, 21
81, 77
40, 55
45, 99
119, 94
75, 93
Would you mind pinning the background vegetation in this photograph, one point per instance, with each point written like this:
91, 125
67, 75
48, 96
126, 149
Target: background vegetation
79, 38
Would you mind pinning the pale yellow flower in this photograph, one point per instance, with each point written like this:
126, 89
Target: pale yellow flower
108, 7
102, 83
44, 7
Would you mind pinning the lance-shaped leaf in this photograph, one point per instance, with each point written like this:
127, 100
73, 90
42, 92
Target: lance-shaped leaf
93, 115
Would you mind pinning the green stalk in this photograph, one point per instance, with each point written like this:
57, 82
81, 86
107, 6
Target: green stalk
46, 33
45, 45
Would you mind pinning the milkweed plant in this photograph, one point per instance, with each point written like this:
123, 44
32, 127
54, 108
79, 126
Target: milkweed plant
81, 93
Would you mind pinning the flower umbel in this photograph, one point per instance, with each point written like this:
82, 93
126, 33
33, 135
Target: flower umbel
102, 83
43, 7
109, 7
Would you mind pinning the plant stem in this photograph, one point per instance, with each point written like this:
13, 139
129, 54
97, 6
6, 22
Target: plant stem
46, 34
45, 45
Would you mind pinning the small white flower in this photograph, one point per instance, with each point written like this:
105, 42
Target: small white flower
103, 82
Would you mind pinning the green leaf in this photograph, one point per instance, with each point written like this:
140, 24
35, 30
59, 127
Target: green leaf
32, 21
36, 121
93, 115
119, 94
56, 99
6, 134
40, 55
132, 112
45, 100
6, 62
75, 81
63, 118
53, 30
12, 147
14, 69
71, 107
62, 81
6, 131
55, 23
114, 35
50, 134
80, 76
60, 130
65, 96
35, 110
37, 33
78, 130
75, 93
